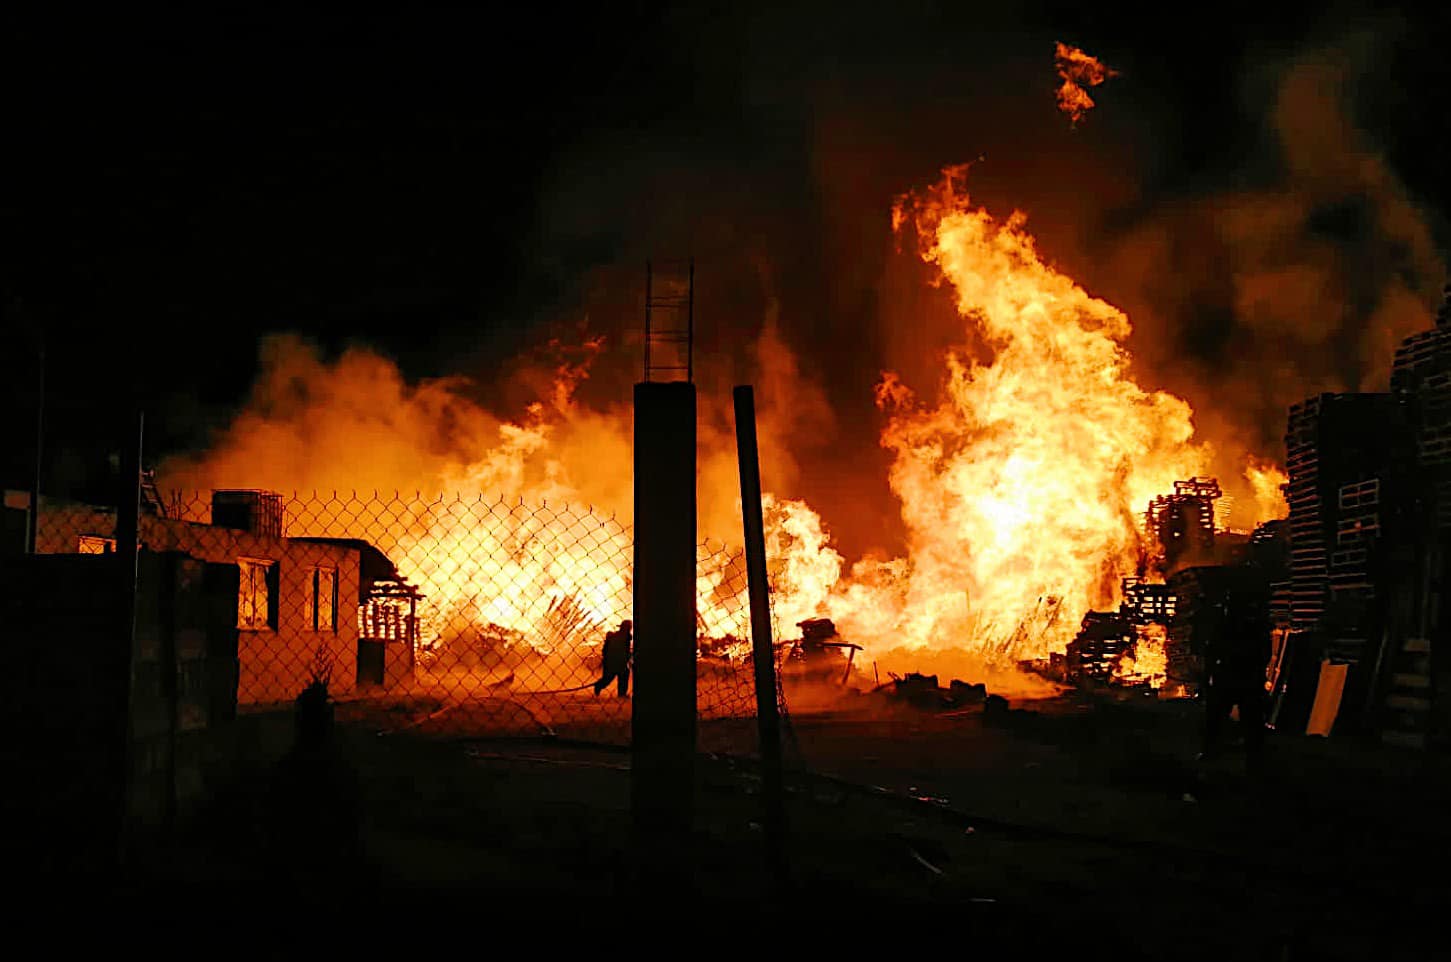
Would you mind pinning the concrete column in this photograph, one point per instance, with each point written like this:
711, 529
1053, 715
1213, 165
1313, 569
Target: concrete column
663, 718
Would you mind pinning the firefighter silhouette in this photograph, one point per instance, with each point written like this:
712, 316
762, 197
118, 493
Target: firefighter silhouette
1237, 655
615, 660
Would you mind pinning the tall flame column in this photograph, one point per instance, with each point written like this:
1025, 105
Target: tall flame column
663, 720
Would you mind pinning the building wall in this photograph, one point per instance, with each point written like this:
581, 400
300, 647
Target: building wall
96, 735
275, 663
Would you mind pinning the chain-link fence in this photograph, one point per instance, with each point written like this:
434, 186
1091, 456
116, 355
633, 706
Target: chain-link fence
458, 615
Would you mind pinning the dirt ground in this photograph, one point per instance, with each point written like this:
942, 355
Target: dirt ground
1065, 825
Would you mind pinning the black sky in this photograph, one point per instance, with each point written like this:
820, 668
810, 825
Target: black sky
441, 184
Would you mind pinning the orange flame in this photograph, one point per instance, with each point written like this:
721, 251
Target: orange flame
1267, 482
1148, 663
511, 555
1022, 487
1021, 483
1077, 70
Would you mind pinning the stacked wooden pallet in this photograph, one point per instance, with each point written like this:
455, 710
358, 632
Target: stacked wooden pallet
1422, 375
1102, 641
1309, 574
1200, 594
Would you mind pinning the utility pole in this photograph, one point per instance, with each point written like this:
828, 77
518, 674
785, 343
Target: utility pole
32, 521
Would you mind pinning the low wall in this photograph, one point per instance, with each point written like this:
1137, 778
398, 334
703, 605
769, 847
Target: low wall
106, 740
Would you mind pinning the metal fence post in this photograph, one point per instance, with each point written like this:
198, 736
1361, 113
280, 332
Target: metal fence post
762, 651
128, 529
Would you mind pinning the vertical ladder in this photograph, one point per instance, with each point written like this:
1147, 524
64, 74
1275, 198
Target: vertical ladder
669, 320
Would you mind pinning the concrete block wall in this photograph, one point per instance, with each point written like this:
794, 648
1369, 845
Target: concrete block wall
104, 737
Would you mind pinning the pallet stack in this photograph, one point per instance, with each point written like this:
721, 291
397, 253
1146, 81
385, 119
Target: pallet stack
1183, 523
1199, 594
1348, 488
1410, 712
1145, 603
1309, 574
1102, 641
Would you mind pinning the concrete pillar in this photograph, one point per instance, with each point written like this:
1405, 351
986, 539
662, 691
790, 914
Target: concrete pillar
663, 718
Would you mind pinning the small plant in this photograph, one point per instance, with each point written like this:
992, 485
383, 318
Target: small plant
321, 670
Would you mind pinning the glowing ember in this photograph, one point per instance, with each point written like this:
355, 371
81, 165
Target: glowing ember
1077, 70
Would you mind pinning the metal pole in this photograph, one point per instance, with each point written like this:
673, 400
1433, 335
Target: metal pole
128, 529
690, 327
768, 719
32, 534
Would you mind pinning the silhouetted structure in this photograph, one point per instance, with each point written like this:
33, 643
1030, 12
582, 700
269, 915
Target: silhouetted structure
1183, 522
1416, 658
1351, 496
1102, 640
295, 596
1198, 593
1145, 603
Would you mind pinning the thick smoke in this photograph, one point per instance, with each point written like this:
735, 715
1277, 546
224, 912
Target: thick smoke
354, 422
1254, 297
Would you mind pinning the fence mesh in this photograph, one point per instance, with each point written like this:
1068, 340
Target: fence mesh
456, 615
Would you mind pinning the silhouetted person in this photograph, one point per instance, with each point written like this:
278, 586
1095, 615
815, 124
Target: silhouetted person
1235, 661
313, 810
615, 660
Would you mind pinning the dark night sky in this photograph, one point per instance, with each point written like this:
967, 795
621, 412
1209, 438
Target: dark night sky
441, 184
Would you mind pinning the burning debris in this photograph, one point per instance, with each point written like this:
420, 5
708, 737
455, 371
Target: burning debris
924, 693
818, 655
1181, 525
1077, 70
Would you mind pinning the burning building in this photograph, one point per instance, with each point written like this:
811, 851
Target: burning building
305, 607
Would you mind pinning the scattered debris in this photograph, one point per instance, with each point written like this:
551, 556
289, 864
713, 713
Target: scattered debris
819, 653
924, 863
924, 692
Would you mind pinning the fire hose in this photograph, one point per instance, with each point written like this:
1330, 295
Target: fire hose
556, 691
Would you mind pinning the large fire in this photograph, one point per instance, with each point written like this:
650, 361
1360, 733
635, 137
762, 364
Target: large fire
1021, 480
1023, 485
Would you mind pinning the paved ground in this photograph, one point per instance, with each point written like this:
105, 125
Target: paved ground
1070, 825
